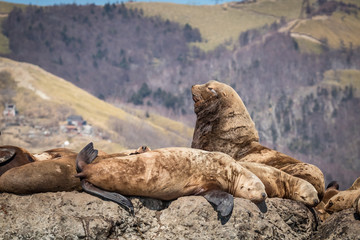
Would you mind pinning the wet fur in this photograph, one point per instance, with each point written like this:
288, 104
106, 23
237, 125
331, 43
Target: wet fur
224, 124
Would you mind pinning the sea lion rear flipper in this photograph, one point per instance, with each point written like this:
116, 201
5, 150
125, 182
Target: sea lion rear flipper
6, 154
112, 196
85, 156
223, 202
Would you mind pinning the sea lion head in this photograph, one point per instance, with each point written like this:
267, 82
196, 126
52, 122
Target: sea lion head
342, 200
250, 187
213, 93
333, 184
307, 194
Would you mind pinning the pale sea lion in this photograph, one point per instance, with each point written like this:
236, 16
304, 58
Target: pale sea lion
342, 200
167, 174
282, 185
12, 156
223, 124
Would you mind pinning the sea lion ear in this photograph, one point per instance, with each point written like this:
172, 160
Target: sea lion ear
222, 202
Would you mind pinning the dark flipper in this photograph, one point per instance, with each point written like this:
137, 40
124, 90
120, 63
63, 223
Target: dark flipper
85, 156
112, 196
222, 202
6, 154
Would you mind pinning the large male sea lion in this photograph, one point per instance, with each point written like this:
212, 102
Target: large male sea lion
223, 124
282, 185
167, 174
12, 156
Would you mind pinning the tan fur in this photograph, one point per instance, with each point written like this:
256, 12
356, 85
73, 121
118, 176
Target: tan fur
342, 200
320, 208
21, 157
355, 185
224, 124
169, 173
57, 173
282, 185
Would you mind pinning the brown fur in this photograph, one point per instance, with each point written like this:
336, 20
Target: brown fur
282, 185
357, 206
49, 171
342, 200
169, 173
320, 208
224, 124
57, 173
20, 158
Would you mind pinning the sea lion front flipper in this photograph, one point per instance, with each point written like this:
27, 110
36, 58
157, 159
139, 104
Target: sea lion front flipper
6, 154
115, 197
223, 202
85, 156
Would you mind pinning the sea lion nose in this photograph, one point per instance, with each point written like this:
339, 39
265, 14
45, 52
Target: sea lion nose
263, 195
316, 202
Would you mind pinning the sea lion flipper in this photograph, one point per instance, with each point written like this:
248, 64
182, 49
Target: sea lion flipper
112, 196
85, 156
223, 202
6, 154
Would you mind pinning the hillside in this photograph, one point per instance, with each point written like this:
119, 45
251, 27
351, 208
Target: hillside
295, 64
46, 100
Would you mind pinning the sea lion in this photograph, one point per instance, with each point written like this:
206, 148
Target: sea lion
342, 200
223, 124
331, 190
12, 156
357, 206
50, 171
167, 174
282, 185
55, 171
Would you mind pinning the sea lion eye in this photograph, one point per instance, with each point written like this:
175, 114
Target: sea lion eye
330, 203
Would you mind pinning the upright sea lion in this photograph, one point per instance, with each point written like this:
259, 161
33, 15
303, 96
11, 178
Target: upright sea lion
342, 200
12, 156
167, 174
282, 185
223, 124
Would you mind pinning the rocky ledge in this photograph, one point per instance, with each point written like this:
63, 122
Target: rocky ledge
76, 215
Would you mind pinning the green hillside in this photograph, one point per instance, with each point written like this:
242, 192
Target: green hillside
48, 92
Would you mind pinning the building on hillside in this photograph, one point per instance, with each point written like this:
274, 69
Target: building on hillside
76, 124
10, 110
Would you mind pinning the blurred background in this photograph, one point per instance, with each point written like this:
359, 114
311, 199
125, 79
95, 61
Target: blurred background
120, 73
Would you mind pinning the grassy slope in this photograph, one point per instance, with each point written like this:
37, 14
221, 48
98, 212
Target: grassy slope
335, 28
217, 24
96, 112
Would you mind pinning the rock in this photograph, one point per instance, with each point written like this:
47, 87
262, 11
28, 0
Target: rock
76, 215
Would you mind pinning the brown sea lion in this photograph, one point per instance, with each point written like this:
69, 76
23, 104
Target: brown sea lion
342, 200
55, 171
282, 185
223, 124
12, 156
50, 171
331, 190
167, 174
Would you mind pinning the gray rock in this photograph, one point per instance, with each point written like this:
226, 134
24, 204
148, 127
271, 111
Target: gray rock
75, 215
